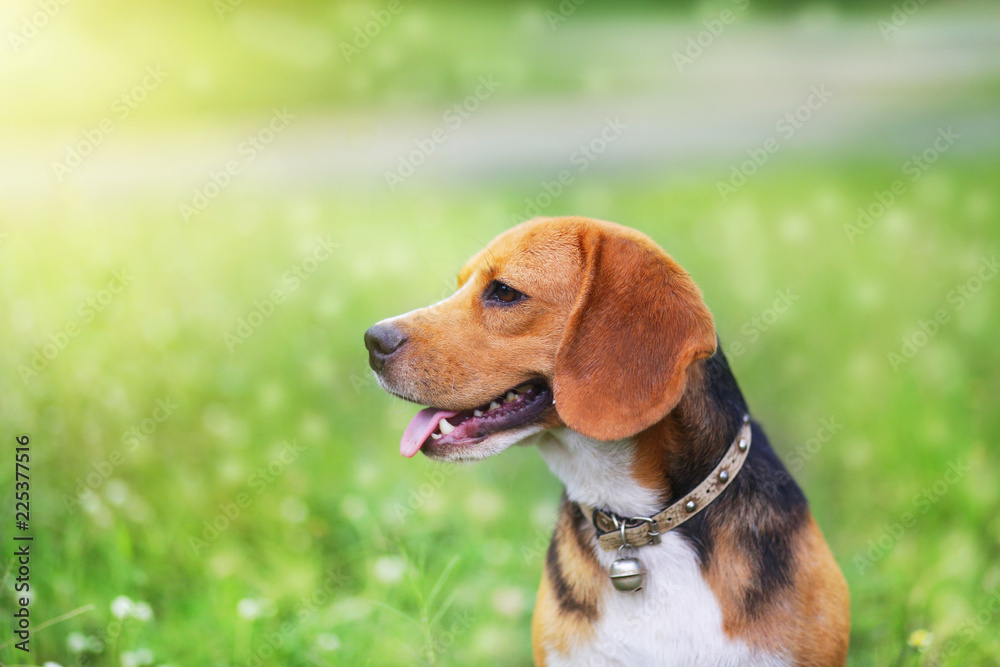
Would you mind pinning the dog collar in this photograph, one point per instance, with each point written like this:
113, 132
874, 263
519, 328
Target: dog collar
614, 531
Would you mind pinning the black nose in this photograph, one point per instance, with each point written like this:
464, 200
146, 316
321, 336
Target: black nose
382, 340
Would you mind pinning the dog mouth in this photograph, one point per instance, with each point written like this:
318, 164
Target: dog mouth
433, 428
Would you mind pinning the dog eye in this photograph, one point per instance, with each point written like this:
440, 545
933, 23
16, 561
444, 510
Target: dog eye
503, 293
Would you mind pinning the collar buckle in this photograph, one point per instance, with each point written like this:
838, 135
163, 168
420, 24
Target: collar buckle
609, 522
614, 531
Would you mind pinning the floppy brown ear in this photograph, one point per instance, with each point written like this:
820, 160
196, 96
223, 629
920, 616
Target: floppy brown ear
639, 321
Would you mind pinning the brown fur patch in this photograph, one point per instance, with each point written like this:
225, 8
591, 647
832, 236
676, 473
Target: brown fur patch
573, 583
809, 621
666, 447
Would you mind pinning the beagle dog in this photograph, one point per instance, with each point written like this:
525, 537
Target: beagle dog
681, 539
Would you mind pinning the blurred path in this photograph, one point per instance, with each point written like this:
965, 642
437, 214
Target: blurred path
868, 95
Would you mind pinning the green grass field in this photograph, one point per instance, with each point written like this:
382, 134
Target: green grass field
207, 439
215, 477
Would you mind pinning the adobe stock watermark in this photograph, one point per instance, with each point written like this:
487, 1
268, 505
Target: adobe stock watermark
913, 169
565, 10
264, 652
967, 630
292, 279
34, 23
224, 8
256, 483
458, 624
803, 453
130, 440
453, 118
785, 127
704, 39
756, 326
368, 32
247, 151
538, 547
121, 108
546, 524
901, 14
922, 502
359, 381
87, 311
581, 158
641, 613
646, 607
957, 298
418, 496
125, 614
367, 379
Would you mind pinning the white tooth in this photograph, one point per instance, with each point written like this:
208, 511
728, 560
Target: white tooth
477, 413
436, 436
493, 406
445, 427
511, 397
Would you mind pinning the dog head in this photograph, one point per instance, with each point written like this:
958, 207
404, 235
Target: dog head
559, 321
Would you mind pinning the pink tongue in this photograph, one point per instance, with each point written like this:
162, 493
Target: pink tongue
420, 428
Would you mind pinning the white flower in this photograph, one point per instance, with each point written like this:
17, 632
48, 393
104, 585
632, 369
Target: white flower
294, 510
543, 515
353, 507
116, 491
920, 639
350, 610
51, 664
97, 510
143, 611
137, 658
484, 505
509, 601
389, 569
122, 606
248, 608
76, 642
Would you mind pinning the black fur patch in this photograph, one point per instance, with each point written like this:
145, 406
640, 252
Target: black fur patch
581, 527
776, 512
763, 501
568, 602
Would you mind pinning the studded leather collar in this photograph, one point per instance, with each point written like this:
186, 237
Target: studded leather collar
637, 531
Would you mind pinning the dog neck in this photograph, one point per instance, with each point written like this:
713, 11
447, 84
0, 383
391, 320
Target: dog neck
639, 476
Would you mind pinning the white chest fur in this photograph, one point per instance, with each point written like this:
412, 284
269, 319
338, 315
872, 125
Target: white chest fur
675, 619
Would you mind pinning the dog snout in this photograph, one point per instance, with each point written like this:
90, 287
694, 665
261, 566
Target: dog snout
382, 340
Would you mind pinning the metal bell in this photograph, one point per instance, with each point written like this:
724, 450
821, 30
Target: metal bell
627, 574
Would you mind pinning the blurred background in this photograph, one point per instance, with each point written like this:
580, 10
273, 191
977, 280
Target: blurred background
204, 205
